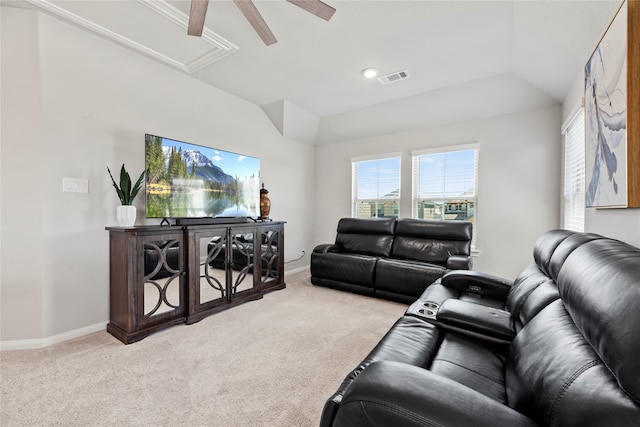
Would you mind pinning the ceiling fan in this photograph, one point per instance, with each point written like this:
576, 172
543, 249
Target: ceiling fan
199, 11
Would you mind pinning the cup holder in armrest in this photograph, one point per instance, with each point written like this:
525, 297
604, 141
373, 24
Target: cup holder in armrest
427, 312
427, 309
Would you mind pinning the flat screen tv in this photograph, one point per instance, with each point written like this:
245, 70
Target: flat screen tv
185, 180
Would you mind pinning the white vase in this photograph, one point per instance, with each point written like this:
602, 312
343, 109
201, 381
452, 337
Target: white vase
126, 215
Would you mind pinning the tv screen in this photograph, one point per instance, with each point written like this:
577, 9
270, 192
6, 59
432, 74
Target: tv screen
185, 180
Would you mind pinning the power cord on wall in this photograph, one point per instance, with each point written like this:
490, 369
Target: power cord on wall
302, 252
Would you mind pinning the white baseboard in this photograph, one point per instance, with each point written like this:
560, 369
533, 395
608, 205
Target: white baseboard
76, 333
45, 342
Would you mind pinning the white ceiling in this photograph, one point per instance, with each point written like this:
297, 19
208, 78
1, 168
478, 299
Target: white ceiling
526, 52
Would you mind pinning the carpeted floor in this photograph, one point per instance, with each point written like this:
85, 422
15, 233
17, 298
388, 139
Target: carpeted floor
271, 362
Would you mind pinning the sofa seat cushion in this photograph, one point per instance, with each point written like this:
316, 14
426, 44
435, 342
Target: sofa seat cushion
406, 277
352, 268
385, 395
474, 363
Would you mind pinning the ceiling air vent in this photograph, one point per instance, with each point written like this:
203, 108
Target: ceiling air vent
394, 77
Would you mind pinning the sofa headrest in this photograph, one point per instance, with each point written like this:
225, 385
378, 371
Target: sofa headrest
431, 241
436, 230
599, 285
564, 249
546, 245
367, 225
366, 236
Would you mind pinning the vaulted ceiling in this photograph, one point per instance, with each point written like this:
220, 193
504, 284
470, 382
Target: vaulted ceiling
494, 57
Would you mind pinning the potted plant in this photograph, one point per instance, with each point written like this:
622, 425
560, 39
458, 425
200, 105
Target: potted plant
126, 213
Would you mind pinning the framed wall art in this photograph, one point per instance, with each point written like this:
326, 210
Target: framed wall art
612, 114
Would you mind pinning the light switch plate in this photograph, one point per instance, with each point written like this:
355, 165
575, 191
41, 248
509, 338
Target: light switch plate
75, 185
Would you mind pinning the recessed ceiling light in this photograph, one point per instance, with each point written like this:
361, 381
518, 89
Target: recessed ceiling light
370, 72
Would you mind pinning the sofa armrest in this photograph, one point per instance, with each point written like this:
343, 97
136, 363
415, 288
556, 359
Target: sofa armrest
477, 283
397, 394
459, 262
476, 319
327, 247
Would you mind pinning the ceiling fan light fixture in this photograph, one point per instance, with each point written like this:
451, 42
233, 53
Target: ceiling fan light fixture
370, 72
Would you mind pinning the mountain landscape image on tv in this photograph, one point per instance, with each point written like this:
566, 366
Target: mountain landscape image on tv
185, 180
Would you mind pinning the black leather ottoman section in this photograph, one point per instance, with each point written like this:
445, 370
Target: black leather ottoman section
405, 277
356, 269
477, 364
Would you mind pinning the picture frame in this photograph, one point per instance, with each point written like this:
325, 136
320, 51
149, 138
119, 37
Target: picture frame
612, 114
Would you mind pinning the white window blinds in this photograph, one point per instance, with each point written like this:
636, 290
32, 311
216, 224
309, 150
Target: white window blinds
445, 183
574, 173
376, 187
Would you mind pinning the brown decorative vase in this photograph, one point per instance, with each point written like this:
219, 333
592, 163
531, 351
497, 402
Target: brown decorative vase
265, 203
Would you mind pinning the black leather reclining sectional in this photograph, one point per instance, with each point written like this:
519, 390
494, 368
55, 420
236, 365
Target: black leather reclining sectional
559, 346
391, 258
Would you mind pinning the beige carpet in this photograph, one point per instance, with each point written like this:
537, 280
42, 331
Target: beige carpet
271, 362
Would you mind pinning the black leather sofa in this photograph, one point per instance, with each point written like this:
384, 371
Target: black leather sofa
391, 258
558, 346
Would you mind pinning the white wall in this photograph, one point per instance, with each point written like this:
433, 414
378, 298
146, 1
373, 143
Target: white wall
21, 214
621, 224
73, 104
519, 175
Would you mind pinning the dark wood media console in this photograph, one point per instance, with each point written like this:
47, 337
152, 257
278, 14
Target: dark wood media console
164, 275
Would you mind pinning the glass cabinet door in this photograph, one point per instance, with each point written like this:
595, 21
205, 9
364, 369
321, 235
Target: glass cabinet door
270, 263
161, 291
211, 255
242, 255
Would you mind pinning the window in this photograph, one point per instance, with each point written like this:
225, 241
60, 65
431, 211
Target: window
376, 187
574, 175
445, 184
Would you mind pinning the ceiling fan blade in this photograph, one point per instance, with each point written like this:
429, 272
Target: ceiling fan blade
250, 12
197, 13
316, 7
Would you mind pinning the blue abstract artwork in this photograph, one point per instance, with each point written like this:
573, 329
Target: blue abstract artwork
606, 118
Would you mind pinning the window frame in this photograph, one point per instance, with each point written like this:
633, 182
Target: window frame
415, 155
354, 183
